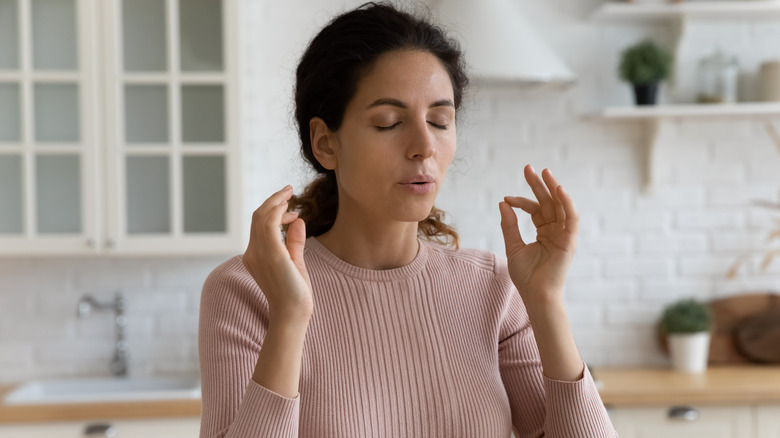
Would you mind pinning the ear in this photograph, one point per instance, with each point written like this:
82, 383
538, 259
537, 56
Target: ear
323, 142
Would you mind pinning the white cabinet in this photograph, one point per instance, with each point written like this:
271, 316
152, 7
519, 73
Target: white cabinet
146, 428
119, 130
710, 422
768, 421
738, 421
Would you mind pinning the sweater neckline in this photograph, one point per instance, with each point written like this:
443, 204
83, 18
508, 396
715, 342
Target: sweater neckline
394, 274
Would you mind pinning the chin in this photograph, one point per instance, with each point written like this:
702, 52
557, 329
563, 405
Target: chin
412, 214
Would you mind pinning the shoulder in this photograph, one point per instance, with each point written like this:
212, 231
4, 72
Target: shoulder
230, 287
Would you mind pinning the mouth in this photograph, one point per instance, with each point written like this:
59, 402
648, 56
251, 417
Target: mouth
419, 180
419, 183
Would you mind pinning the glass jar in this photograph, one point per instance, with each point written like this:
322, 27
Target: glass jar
718, 77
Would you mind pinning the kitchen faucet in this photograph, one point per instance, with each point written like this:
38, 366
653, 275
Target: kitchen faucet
87, 303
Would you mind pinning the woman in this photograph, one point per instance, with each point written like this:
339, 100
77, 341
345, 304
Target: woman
362, 321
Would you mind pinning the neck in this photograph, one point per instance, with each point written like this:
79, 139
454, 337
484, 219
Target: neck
371, 245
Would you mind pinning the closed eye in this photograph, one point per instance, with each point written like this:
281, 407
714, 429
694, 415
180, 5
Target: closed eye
387, 128
438, 126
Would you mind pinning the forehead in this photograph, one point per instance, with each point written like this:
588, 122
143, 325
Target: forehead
408, 75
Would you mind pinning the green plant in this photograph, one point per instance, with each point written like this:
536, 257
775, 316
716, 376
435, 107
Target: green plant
645, 63
686, 316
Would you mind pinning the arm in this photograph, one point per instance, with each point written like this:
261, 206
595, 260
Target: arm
538, 270
233, 331
258, 319
543, 406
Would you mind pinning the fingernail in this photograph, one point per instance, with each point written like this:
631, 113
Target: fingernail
562, 189
288, 186
532, 169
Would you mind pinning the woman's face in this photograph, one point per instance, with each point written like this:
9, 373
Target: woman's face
397, 139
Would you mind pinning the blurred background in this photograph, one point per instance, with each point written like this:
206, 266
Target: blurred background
137, 137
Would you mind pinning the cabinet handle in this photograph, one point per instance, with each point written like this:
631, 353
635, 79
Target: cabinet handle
100, 429
111, 243
683, 413
91, 243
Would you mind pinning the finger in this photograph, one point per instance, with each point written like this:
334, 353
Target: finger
289, 216
541, 193
552, 186
572, 216
296, 240
512, 238
527, 205
268, 226
282, 195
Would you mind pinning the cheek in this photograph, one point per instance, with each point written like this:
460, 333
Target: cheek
447, 150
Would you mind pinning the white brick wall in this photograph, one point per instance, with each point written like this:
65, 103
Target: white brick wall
637, 252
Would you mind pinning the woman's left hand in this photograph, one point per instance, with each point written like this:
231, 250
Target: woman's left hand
539, 269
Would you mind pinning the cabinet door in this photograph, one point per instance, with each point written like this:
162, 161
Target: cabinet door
768, 421
48, 144
70, 429
710, 422
147, 428
172, 149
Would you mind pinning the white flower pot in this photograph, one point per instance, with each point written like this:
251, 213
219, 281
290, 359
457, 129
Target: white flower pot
689, 351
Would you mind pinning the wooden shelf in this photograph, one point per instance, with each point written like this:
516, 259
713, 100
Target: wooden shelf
614, 11
691, 110
659, 118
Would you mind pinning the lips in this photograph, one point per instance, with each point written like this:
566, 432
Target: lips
419, 184
418, 179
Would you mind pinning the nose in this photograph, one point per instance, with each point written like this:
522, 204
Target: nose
422, 144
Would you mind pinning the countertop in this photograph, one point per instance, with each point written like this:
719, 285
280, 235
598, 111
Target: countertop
619, 387
722, 385
88, 411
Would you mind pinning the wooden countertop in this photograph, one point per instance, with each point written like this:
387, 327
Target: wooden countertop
718, 385
88, 411
619, 387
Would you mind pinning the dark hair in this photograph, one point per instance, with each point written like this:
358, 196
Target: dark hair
327, 79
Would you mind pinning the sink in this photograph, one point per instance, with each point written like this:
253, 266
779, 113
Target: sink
104, 390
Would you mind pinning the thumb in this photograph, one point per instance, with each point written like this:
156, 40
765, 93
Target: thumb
296, 240
512, 238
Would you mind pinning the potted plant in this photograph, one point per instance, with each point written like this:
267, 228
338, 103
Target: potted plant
645, 65
687, 324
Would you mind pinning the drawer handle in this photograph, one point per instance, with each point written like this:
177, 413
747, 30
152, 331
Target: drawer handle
100, 429
683, 413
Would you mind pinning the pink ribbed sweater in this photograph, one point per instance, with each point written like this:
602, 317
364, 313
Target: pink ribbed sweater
441, 347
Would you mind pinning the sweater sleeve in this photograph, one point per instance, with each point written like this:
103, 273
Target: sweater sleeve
232, 326
542, 406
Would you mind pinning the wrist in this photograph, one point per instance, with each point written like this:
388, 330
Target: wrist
542, 301
288, 324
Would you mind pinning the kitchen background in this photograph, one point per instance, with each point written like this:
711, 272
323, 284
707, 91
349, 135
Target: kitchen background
637, 250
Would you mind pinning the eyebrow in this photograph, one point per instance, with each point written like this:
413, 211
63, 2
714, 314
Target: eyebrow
397, 103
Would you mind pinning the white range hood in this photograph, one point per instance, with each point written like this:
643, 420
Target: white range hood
501, 45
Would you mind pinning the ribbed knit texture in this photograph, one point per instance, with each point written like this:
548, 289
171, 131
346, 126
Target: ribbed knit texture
441, 347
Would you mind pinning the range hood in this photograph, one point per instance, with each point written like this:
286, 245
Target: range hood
501, 45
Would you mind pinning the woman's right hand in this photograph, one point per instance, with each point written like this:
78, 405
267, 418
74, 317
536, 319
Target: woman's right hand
278, 266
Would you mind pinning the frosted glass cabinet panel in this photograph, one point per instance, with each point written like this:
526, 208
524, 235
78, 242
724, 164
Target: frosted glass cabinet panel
10, 113
119, 127
9, 35
203, 114
148, 200
58, 193
11, 215
200, 35
205, 205
56, 112
144, 29
146, 114
54, 34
